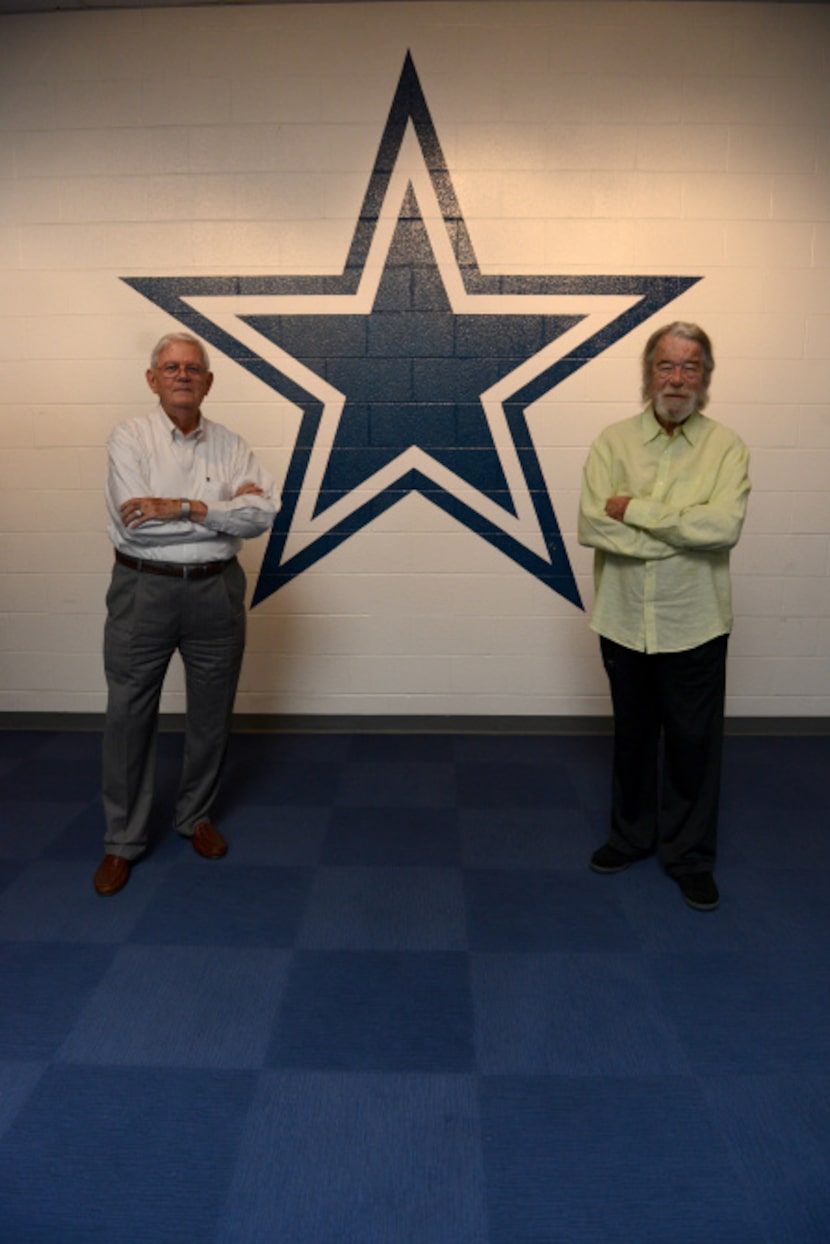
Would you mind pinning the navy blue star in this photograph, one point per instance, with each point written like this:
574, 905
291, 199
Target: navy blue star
409, 359
412, 371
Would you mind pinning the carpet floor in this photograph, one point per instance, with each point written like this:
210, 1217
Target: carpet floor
402, 1010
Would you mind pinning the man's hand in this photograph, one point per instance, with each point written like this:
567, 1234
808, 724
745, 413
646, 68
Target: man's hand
138, 510
615, 507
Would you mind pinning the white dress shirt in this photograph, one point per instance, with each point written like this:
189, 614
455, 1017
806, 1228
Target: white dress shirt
149, 457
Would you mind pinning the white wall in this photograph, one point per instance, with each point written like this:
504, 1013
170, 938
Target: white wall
620, 138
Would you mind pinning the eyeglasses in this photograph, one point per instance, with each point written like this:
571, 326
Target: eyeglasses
689, 370
171, 370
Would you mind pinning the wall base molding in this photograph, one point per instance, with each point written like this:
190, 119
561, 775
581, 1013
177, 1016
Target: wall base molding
357, 723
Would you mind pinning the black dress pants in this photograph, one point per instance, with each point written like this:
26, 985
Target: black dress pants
668, 741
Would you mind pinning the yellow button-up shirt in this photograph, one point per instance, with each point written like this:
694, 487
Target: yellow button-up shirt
661, 576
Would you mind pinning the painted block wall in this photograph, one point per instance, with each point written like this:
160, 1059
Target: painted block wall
602, 143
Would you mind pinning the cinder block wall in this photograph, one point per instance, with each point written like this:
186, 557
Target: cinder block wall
584, 140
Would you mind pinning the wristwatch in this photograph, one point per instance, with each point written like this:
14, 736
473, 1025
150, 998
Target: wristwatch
185, 508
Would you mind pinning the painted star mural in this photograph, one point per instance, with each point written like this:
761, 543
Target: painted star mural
412, 370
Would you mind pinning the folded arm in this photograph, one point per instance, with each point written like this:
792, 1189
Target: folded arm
132, 501
599, 529
706, 527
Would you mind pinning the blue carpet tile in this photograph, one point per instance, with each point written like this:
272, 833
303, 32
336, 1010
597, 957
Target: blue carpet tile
404, 1011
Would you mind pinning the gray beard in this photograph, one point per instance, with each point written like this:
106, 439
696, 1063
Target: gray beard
677, 414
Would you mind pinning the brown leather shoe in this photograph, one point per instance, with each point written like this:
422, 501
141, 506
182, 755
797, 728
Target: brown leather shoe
112, 875
208, 842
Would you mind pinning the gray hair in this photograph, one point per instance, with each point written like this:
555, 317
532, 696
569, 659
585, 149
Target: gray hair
169, 338
690, 332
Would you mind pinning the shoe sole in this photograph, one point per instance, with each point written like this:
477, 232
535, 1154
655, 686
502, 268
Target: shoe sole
701, 906
608, 872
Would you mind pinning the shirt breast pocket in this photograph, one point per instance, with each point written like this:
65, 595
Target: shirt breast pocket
214, 487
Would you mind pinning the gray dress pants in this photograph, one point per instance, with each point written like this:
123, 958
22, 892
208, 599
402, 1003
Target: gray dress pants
149, 617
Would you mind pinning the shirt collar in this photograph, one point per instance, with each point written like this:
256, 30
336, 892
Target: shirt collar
690, 428
173, 432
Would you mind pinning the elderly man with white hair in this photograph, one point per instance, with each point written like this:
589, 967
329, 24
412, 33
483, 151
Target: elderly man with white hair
182, 493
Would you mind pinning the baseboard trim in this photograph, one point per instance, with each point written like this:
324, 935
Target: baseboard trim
357, 723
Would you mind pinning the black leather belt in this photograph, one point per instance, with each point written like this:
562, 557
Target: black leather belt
172, 570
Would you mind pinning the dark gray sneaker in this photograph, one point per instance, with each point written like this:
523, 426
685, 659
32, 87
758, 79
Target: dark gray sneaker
699, 890
609, 859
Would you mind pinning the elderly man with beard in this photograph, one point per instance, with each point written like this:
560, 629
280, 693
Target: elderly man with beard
663, 500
